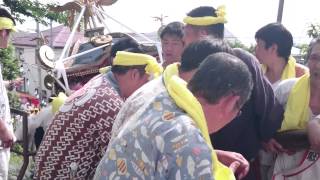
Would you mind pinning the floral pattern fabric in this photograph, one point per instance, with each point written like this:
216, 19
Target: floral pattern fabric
154, 139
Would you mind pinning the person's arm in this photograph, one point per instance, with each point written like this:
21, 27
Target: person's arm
268, 112
282, 94
6, 136
313, 130
15, 82
301, 70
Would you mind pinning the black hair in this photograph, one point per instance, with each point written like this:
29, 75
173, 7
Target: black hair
197, 51
276, 33
123, 44
173, 29
220, 75
5, 13
216, 30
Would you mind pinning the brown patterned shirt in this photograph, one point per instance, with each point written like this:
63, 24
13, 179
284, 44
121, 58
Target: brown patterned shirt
80, 131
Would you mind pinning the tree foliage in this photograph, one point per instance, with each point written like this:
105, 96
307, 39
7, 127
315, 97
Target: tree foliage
10, 64
313, 30
39, 12
238, 44
10, 71
14, 100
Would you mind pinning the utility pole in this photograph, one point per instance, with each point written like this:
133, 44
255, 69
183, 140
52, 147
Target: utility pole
51, 34
38, 62
160, 19
280, 11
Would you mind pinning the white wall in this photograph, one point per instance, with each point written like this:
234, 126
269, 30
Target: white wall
31, 72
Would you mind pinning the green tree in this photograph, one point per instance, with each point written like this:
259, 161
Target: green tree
313, 30
14, 100
238, 44
10, 70
10, 64
38, 11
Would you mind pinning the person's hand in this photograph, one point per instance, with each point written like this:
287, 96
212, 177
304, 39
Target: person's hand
235, 161
273, 146
6, 136
313, 130
18, 81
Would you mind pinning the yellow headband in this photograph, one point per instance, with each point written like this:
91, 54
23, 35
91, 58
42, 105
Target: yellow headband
207, 20
134, 59
7, 23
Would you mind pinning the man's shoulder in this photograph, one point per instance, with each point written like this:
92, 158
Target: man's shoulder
283, 90
286, 84
173, 124
301, 70
243, 54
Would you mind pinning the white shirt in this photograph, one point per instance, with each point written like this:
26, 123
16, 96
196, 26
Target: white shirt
4, 103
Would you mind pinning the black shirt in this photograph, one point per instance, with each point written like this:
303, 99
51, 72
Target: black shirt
261, 116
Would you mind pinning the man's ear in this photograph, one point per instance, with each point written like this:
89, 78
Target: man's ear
203, 32
229, 103
134, 74
274, 48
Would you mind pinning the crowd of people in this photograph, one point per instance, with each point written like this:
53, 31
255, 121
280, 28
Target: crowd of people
208, 112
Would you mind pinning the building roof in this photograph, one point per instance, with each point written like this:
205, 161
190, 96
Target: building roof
61, 33
154, 36
59, 37
228, 35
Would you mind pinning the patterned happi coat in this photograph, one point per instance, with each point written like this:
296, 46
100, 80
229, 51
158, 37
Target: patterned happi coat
154, 139
80, 132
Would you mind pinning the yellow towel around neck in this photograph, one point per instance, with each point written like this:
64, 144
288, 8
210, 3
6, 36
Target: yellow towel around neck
184, 99
289, 70
296, 114
58, 101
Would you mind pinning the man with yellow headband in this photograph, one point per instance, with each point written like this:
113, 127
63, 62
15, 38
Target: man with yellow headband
261, 116
162, 133
6, 135
79, 133
301, 99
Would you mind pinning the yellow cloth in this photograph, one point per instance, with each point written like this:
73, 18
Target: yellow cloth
296, 114
184, 99
207, 20
289, 71
104, 70
7, 23
57, 102
131, 59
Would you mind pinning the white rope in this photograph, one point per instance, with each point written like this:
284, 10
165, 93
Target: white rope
143, 36
59, 64
85, 52
102, 19
158, 45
